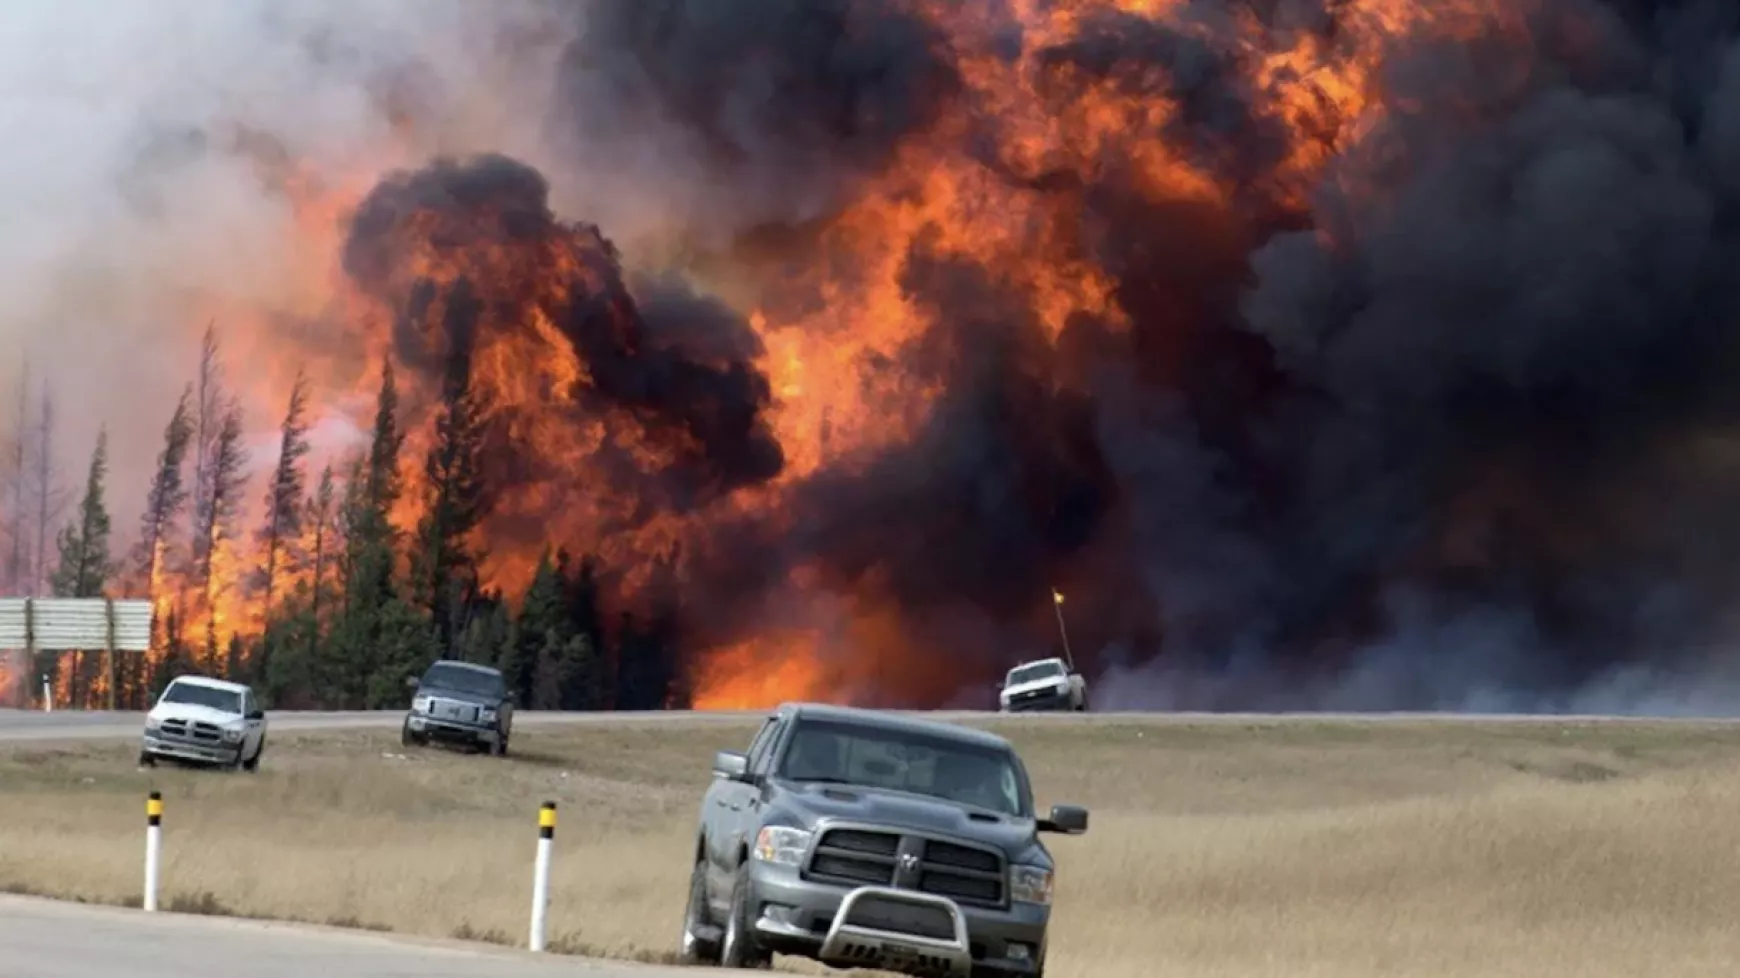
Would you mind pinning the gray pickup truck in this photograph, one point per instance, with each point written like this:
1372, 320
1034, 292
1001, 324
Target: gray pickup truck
459, 703
864, 839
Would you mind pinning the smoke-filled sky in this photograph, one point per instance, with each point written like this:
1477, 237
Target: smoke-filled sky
1370, 354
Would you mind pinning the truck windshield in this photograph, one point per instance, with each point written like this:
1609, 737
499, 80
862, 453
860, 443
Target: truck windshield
923, 764
1036, 672
474, 681
226, 700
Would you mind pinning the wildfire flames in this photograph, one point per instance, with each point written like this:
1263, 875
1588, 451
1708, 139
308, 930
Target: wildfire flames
1134, 298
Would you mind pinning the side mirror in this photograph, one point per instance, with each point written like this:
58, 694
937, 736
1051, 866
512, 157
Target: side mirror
1002, 686
730, 765
257, 715
1065, 820
411, 682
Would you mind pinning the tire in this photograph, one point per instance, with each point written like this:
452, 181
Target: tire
694, 950
738, 949
406, 737
253, 763
147, 759
499, 747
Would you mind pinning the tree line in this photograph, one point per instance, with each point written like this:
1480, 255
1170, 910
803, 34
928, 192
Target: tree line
327, 603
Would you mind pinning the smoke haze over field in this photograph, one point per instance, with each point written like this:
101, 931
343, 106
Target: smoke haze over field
1366, 354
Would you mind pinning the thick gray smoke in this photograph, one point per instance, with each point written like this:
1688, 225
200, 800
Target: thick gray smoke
146, 194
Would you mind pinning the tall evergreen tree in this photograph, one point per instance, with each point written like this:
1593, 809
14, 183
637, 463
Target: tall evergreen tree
381, 638
445, 568
84, 543
84, 566
540, 635
590, 686
281, 537
322, 532
163, 507
223, 499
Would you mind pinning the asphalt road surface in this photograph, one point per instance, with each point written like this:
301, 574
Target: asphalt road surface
52, 939
28, 725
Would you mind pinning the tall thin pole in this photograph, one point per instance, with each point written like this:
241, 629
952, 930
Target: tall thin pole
153, 847
109, 647
541, 875
1057, 605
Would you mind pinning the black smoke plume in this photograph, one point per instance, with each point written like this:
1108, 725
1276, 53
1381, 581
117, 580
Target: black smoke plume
676, 363
1453, 428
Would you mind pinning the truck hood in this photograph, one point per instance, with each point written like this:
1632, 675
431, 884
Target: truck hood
898, 810
1055, 683
457, 695
196, 713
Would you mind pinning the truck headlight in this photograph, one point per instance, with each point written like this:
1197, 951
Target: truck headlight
486, 714
782, 845
232, 735
152, 724
420, 704
1030, 884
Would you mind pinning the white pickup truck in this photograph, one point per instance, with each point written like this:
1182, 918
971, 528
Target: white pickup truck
202, 720
1045, 684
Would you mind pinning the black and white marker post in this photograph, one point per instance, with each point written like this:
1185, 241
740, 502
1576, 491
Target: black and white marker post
153, 846
541, 875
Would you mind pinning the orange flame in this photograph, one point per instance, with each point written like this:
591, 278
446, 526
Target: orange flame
835, 406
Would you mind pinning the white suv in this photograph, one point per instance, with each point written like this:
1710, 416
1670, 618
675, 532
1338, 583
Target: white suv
206, 721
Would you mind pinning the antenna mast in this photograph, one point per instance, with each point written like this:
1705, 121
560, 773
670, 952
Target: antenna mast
1057, 605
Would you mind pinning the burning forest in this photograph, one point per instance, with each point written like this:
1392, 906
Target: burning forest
1352, 354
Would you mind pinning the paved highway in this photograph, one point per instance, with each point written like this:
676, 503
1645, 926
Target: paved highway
28, 725
51, 939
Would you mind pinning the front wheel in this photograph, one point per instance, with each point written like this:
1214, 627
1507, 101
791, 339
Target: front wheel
739, 949
253, 763
696, 949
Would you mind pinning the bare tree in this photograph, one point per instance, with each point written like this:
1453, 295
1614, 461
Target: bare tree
207, 426
14, 463
48, 496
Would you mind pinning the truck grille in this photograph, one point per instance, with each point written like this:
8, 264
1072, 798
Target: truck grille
442, 709
196, 732
865, 857
1035, 695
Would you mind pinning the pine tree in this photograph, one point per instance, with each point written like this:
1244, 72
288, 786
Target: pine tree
223, 498
542, 621
591, 686
445, 569
381, 638
304, 630
84, 567
84, 543
163, 507
279, 540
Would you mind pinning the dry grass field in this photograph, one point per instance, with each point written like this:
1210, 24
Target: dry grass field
1293, 848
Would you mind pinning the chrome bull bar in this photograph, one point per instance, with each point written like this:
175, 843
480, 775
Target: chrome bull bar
861, 946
